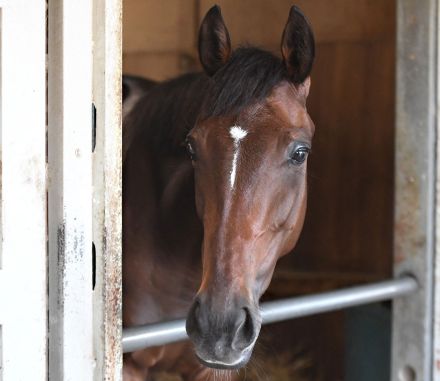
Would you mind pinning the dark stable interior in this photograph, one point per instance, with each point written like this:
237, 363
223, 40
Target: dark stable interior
348, 233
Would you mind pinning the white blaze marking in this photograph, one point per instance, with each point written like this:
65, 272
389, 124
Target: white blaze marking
237, 133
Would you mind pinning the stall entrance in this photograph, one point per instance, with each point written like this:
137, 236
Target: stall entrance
60, 259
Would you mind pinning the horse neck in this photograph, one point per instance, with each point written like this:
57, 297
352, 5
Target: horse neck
159, 207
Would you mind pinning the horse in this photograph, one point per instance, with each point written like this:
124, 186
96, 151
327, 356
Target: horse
214, 192
133, 88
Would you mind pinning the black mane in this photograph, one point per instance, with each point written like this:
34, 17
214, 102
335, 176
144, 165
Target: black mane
248, 77
165, 115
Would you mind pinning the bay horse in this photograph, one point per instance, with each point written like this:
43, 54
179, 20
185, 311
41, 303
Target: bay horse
214, 192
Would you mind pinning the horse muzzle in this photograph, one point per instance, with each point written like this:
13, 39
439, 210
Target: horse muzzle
223, 338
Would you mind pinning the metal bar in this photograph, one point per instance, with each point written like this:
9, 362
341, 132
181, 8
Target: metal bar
135, 338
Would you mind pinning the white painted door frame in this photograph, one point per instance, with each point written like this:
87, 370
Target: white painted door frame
70, 190
23, 257
61, 194
84, 83
84, 190
107, 188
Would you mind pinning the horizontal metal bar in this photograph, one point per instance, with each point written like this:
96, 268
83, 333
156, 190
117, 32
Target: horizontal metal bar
135, 338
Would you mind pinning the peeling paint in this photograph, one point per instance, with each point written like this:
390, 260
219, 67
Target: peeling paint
107, 185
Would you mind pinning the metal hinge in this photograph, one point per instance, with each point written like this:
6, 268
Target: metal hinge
93, 127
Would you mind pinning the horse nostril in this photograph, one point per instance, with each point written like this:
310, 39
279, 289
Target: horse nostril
196, 307
246, 330
192, 321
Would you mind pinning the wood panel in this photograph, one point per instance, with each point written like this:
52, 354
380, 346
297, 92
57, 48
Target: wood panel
159, 26
158, 66
349, 221
262, 22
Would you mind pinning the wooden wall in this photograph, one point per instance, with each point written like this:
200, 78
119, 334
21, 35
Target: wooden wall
349, 222
159, 37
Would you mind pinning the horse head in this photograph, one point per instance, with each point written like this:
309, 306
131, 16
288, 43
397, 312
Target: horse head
249, 151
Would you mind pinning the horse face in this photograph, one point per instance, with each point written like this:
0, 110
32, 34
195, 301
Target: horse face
250, 188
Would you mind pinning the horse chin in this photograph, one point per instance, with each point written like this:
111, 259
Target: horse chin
226, 365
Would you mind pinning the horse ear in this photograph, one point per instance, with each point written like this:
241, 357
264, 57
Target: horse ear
298, 46
214, 42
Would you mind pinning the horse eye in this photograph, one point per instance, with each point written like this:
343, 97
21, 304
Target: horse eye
299, 156
190, 149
